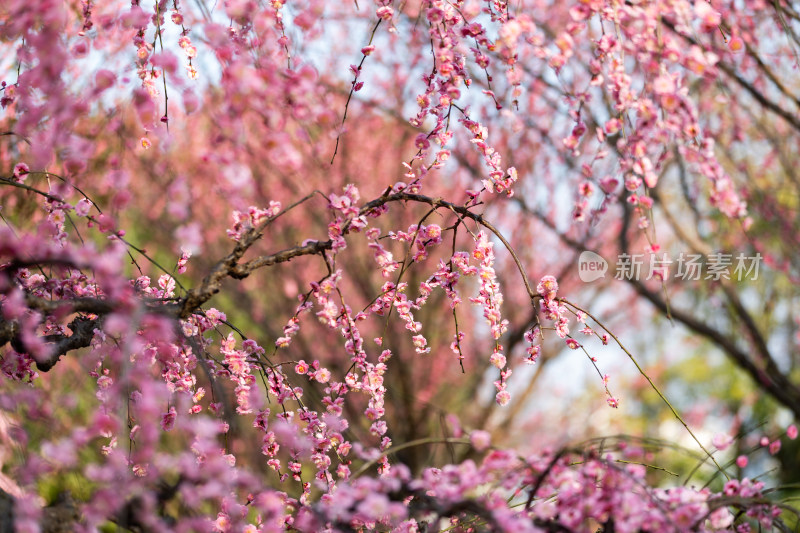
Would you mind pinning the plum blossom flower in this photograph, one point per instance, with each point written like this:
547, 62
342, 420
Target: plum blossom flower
480, 440
82, 207
498, 359
721, 441
21, 172
572, 343
420, 344
168, 419
774, 447
709, 17
547, 287
323, 375
385, 12
503, 397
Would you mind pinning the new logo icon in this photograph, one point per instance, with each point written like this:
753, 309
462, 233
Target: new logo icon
591, 266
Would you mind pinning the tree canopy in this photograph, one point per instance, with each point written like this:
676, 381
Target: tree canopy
306, 265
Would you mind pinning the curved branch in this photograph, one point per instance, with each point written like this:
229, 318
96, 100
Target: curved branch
229, 266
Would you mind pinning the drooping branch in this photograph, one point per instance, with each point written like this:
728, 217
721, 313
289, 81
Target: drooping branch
464, 212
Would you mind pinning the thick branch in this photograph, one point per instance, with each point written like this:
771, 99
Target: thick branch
314, 247
75, 305
82, 335
9, 329
82, 327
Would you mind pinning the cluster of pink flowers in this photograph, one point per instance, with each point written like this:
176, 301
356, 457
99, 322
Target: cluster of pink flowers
422, 237
543, 492
238, 365
348, 217
404, 308
490, 298
293, 325
244, 222
551, 308
383, 257
489, 295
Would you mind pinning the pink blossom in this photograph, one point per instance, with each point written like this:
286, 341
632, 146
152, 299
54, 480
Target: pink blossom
503, 397
420, 344
168, 419
572, 343
21, 172
722, 441
709, 17
774, 447
323, 375
82, 207
547, 287
385, 13
480, 440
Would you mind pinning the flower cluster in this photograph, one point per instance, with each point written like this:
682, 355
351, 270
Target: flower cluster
551, 308
383, 257
347, 216
549, 492
491, 299
244, 222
